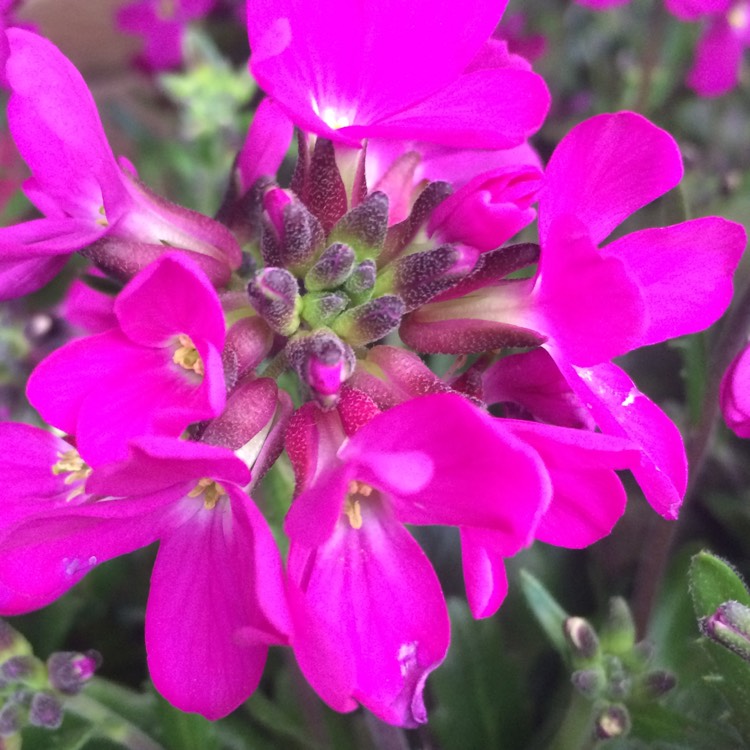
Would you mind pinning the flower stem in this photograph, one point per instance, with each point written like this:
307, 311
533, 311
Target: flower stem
576, 731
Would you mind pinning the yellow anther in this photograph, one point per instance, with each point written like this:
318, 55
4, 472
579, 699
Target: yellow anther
353, 511
187, 356
212, 492
103, 221
71, 463
359, 488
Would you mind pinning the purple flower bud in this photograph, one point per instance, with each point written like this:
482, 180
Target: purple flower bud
274, 293
588, 682
10, 720
321, 309
291, 235
419, 277
323, 362
612, 721
730, 627
365, 226
658, 683
45, 711
69, 671
326, 190
332, 268
360, 284
18, 668
274, 203
582, 638
370, 321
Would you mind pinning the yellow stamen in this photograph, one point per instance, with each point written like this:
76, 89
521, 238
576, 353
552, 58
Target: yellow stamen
71, 463
187, 356
352, 506
103, 221
212, 492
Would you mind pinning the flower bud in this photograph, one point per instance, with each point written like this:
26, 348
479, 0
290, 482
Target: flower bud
274, 293
18, 668
332, 269
730, 627
588, 682
247, 344
45, 711
612, 721
359, 286
419, 277
370, 321
11, 720
326, 192
581, 637
618, 631
321, 309
12, 643
323, 362
657, 683
70, 671
365, 226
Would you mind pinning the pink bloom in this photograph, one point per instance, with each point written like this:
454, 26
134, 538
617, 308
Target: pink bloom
735, 394
217, 595
162, 23
158, 371
87, 199
393, 70
370, 619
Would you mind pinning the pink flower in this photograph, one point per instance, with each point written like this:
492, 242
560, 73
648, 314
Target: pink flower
393, 70
370, 619
158, 371
735, 394
162, 23
87, 199
217, 595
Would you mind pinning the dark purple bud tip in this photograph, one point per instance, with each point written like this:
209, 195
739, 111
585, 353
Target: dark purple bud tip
69, 671
274, 293
365, 226
18, 668
370, 321
612, 721
10, 719
582, 638
730, 627
588, 682
45, 711
332, 268
8, 637
659, 683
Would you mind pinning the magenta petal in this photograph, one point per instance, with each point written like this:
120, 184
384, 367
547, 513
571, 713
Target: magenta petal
718, 59
483, 554
588, 303
680, 266
444, 462
20, 277
169, 297
735, 394
692, 10
197, 614
370, 618
42, 558
619, 408
605, 169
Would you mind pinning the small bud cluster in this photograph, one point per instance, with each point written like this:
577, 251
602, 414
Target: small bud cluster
612, 670
33, 692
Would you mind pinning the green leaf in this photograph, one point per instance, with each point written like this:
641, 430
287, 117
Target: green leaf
182, 731
714, 581
480, 702
549, 614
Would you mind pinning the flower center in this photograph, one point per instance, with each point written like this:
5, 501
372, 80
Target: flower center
187, 356
739, 16
211, 490
70, 463
352, 507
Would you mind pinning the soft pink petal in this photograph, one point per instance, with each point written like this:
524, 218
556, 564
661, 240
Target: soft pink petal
483, 554
20, 277
735, 394
692, 10
88, 309
605, 169
684, 271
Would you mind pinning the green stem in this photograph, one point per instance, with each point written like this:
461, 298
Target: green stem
577, 729
110, 724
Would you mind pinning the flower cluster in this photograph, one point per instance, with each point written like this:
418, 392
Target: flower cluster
226, 341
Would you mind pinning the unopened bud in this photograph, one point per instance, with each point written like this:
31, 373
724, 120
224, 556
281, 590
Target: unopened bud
18, 668
291, 235
45, 711
365, 226
618, 631
730, 627
612, 721
274, 293
70, 671
323, 362
419, 277
326, 192
582, 638
657, 683
332, 269
11, 719
370, 321
275, 201
12, 643
619, 681
588, 682
360, 284
323, 308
